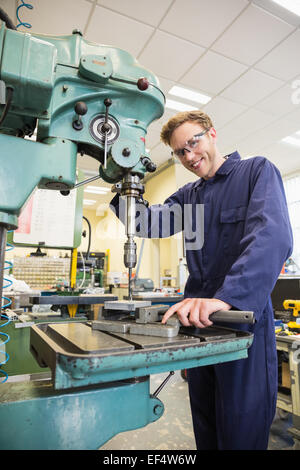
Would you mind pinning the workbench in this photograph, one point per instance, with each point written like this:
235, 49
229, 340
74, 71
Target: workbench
291, 402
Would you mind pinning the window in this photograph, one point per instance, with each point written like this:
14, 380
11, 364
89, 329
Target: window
292, 191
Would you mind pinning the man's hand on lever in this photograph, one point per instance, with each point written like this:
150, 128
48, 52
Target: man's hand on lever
195, 312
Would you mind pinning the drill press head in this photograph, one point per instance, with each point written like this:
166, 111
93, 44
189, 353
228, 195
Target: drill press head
79, 96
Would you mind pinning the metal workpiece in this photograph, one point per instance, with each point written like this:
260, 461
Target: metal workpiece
126, 305
155, 329
152, 313
149, 329
146, 319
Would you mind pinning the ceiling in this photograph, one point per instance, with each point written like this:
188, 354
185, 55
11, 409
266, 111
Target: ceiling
243, 54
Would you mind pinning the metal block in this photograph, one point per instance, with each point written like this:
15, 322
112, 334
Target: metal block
154, 329
150, 314
126, 305
110, 325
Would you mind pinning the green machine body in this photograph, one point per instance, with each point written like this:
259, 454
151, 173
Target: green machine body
77, 97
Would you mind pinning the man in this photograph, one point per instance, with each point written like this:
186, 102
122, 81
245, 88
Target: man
247, 238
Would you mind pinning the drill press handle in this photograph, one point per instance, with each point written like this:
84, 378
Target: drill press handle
233, 316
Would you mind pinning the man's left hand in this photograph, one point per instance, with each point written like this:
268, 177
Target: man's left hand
195, 312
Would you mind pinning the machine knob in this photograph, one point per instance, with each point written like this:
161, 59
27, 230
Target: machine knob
126, 152
105, 126
151, 167
80, 109
142, 83
148, 164
107, 102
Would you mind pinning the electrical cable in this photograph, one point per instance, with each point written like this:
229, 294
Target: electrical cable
21, 23
90, 236
83, 279
4, 353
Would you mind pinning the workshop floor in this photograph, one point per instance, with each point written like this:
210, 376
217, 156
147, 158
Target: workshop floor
174, 430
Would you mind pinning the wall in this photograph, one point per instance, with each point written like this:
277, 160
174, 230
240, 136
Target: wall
108, 233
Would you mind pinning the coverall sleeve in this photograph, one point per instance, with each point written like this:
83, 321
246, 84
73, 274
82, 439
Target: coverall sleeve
266, 244
156, 221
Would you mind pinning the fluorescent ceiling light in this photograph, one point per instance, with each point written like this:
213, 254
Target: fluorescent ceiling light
88, 202
291, 5
292, 139
96, 190
189, 94
179, 106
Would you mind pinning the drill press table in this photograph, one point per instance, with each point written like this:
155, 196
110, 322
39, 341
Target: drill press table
100, 382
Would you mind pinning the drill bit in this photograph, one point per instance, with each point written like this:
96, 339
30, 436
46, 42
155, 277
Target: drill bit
129, 283
130, 245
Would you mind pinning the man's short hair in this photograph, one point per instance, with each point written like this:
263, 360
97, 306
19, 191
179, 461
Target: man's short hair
194, 116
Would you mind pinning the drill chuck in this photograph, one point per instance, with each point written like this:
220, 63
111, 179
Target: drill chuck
130, 257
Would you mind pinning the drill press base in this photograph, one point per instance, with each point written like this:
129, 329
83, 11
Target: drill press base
38, 418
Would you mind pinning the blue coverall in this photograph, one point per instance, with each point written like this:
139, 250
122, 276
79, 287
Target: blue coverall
247, 238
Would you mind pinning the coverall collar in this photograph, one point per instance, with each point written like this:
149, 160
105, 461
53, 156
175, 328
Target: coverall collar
231, 160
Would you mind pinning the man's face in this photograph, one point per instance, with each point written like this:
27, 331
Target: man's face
202, 159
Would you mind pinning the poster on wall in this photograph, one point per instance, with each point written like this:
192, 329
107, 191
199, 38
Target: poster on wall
47, 219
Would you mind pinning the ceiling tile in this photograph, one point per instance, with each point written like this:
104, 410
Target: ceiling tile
213, 72
252, 87
169, 56
165, 84
107, 27
278, 10
58, 17
285, 157
247, 123
283, 62
280, 102
273, 132
139, 9
201, 21
252, 35
222, 111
